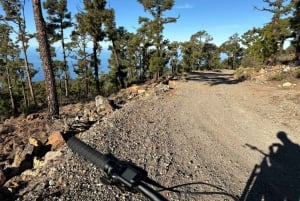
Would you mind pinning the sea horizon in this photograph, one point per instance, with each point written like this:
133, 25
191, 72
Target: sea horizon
34, 59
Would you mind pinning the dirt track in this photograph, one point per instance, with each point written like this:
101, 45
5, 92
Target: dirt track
204, 138
218, 117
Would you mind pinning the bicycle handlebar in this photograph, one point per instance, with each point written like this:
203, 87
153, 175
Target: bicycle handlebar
88, 152
119, 173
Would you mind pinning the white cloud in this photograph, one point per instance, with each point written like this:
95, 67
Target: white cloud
185, 6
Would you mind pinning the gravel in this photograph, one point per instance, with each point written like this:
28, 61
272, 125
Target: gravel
192, 138
139, 133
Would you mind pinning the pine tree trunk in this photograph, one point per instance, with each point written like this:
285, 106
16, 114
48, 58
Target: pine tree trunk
96, 67
26, 105
66, 76
121, 81
86, 82
66, 81
86, 77
28, 75
12, 100
22, 32
53, 107
61, 92
297, 52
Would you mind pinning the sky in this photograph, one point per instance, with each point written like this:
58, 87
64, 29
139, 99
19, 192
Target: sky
219, 18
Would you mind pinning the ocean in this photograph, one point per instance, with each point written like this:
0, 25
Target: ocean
34, 58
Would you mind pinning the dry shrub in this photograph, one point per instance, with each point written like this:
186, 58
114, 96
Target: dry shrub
277, 76
244, 73
297, 72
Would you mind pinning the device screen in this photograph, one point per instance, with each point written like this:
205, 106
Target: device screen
129, 174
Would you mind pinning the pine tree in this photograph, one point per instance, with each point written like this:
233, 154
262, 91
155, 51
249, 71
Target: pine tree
255, 51
82, 56
211, 56
6, 51
59, 20
295, 26
194, 56
53, 107
173, 53
233, 50
142, 41
15, 12
117, 36
92, 21
156, 8
277, 31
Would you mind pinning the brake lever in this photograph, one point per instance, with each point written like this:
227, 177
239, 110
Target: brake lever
112, 182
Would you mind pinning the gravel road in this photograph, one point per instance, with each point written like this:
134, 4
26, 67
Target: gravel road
204, 137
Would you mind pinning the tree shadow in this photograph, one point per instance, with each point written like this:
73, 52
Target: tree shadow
213, 78
277, 177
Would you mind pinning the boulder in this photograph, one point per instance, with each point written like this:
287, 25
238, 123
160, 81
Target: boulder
38, 163
41, 162
22, 154
51, 155
102, 104
141, 91
90, 114
42, 136
34, 142
30, 172
162, 88
287, 84
56, 140
286, 69
31, 117
133, 89
172, 84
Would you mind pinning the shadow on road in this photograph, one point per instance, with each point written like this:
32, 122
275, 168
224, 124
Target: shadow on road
213, 78
277, 177
217, 190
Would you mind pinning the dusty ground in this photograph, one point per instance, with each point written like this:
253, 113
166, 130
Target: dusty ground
201, 137
218, 117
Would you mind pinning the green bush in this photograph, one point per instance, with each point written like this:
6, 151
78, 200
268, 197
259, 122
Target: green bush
5, 108
250, 61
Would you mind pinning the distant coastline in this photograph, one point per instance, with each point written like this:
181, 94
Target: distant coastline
34, 58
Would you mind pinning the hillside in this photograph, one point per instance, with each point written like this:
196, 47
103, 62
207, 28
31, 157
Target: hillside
205, 135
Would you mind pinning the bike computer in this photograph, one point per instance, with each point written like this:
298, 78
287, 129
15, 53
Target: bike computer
130, 176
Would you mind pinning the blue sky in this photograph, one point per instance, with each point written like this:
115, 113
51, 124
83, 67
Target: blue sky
220, 18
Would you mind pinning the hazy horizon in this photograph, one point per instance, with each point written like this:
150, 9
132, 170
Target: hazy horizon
34, 58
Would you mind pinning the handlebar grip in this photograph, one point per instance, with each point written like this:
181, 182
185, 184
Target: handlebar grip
92, 155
